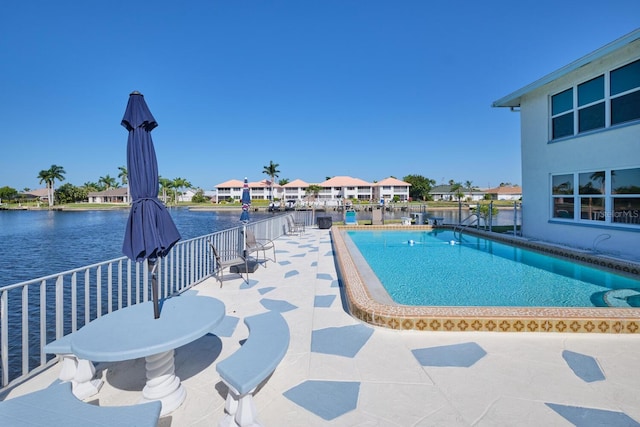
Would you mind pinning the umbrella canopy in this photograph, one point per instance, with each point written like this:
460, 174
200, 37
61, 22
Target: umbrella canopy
150, 231
246, 201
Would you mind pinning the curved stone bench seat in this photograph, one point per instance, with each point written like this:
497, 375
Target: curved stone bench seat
252, 364
57, 406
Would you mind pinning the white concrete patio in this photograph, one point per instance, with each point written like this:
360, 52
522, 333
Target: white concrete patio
471, 379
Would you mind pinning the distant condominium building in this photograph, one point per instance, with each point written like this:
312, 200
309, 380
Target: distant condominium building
336, 190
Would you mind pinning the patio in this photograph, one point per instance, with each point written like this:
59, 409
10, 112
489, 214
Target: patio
341, 372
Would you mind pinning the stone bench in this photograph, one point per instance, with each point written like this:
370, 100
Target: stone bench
79, 372
251, 365
57, 406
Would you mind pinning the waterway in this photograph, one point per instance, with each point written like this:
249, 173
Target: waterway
34, 244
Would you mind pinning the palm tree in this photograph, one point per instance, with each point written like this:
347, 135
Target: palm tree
165, 184
272, 171
179, 184
90, 186
314, 190
124, 178
469, 186
49, 177
456, 189
108, 181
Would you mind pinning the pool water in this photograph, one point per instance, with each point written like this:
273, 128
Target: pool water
433, 268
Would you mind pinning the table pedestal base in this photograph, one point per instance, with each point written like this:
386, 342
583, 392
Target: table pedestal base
80, 372
162, 383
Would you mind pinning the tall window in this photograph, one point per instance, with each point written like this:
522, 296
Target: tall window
583, 108
591, 191
562, 111
601, 196
625, 192
563, 198
625, 93
591, 105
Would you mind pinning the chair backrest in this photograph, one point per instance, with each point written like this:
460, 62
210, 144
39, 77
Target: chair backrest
251, 239
215, 253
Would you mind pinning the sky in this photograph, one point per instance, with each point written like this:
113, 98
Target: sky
363, 88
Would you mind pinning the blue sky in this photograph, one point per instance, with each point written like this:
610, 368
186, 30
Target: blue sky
369, 89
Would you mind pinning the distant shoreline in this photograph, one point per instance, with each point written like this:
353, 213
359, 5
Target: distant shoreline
238, 208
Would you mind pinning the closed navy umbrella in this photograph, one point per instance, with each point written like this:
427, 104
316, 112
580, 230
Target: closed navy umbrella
246, 201
150, 231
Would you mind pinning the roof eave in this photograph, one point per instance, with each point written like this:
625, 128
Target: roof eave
513, 99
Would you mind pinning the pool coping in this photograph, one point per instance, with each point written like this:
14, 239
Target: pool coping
365, 301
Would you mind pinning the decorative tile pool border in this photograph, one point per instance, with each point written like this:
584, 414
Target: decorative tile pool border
369, 307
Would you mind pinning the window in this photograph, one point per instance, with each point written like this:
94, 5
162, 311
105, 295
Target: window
591, 191
563, 200
601, 196
562, 110
625, 93
591, 105
625, 190
583, 108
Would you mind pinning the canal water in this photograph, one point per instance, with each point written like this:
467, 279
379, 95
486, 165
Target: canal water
34, 244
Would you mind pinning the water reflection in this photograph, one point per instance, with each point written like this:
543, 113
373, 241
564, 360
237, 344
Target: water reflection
38, 243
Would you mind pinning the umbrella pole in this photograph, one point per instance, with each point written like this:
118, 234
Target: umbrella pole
154, 288
244, 240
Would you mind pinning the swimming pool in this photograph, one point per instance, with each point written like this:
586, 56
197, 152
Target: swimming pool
368, 300
434, 267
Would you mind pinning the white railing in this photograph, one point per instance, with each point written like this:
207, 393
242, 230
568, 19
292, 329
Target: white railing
38, 311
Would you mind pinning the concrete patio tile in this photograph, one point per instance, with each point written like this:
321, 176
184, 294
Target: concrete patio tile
402, 404
339, 397
291, 273
251, 284
509, 411
342, 341
460, 355
331, 367
277, 305
584, 366
380, 362
226, 327
324, 300
591, 417
324, 276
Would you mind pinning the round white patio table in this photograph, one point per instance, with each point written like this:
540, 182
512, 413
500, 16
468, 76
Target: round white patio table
133, 332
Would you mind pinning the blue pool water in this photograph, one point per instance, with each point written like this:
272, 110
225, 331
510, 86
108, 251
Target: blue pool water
431, 268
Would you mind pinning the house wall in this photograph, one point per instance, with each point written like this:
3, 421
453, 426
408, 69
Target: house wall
609, 148
388, 192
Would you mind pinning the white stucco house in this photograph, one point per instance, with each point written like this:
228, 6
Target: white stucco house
390, 187
112, 195
580, 147
295, 190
